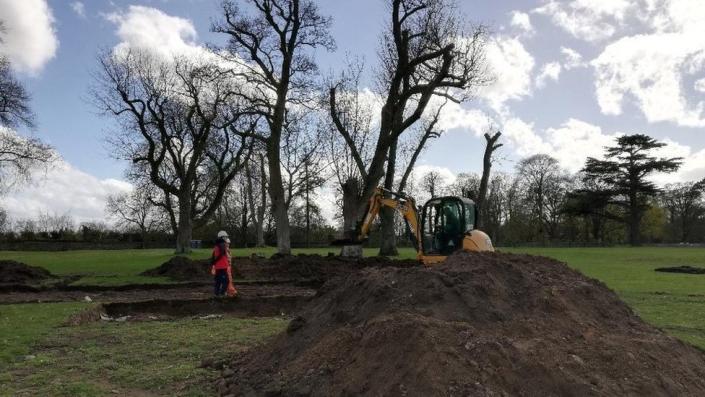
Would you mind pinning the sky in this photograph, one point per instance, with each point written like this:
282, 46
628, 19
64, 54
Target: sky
569, 77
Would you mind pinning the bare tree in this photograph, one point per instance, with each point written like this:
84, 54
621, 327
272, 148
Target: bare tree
14, 99
491, 146
5, 222
425, 53
272, 51
183, 124
20, 157
348, 153
136, 210
256, 172
684, 202
409, 150
543, 186
302, 156
466, 185
432, 183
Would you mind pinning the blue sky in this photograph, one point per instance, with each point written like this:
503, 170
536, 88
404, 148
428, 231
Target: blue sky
570, 76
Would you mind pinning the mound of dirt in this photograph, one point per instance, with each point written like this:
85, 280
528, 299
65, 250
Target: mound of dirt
12, 272
681, 269
480, 324
181, 268
309, 267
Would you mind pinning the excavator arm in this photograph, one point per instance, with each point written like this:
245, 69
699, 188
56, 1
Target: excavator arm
398, 201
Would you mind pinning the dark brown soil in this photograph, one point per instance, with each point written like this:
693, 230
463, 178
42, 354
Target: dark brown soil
12, 272
480, 324
311, 268
681, 269
239, 306
181, 268
131, 293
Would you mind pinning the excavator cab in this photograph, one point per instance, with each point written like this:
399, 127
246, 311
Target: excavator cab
444, 223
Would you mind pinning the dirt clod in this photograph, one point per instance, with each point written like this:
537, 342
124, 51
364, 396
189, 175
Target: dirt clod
181, 268
681, 269
12, 272
480, 324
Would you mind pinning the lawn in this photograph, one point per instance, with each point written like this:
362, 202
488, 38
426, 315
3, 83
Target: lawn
161, 358
128, 359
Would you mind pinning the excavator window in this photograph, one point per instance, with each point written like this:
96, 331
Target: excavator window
444, 226
470, 217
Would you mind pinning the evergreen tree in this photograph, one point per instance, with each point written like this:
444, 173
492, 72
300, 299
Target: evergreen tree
624, 174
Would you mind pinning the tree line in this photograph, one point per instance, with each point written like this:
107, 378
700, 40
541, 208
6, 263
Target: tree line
259, 106
245, 136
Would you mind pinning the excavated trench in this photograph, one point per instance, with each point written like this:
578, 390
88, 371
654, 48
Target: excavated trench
236, 307
170, 309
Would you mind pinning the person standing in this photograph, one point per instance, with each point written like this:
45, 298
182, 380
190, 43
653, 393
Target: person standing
220, 264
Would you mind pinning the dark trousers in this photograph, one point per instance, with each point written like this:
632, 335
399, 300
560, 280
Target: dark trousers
221, 282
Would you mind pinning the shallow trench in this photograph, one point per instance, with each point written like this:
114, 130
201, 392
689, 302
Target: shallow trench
163, 309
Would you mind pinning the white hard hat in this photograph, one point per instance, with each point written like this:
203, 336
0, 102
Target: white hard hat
222, 234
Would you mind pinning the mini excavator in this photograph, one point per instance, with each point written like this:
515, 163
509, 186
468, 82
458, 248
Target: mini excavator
445, 224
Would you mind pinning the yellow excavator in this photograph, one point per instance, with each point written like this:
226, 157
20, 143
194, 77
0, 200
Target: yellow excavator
445, 224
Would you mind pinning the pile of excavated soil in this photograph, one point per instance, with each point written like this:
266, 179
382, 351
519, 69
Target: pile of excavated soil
681, 269
309, 267
480, 324
181, 268
12, 272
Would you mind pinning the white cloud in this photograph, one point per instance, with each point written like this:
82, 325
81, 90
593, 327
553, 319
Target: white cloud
511, 65
30, 40
64, 190
522, 21
523, 138
699, 85
79, 8
650, 69
549, 71
150, 29
575, 140
589, 20
456, 116
692, 169
652, 47
572, 58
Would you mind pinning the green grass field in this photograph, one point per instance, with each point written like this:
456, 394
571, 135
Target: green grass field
71, 360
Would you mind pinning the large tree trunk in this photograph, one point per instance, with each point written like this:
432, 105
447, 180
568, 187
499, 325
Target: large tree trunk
490, 147
259, 227
388, 245
259, 212
143, 235
279, 212
185, 232
634, 220
685, 235
634, 226
351, 195
243, 226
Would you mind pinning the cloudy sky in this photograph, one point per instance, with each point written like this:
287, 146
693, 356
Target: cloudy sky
570, 76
